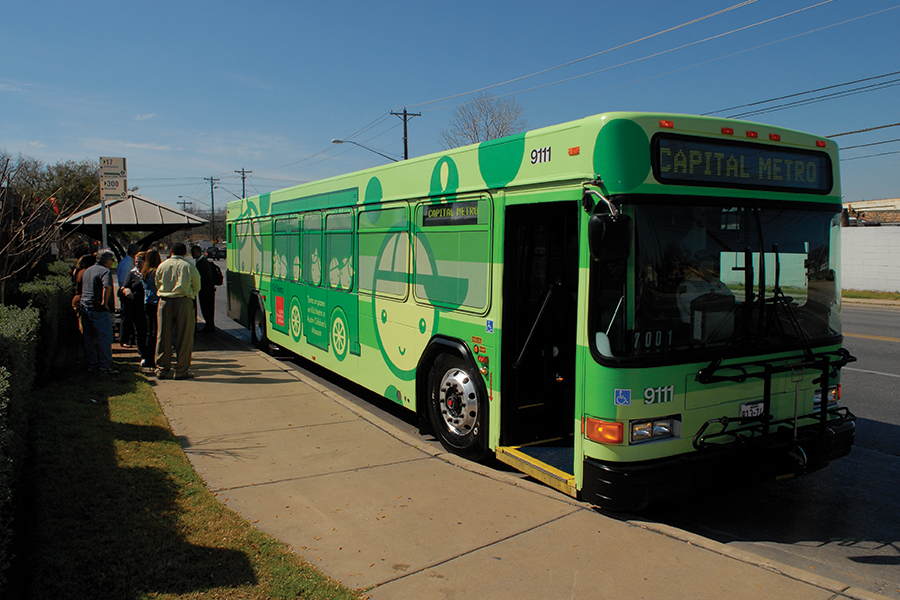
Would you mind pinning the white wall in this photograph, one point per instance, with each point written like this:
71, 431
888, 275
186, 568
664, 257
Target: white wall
870, 258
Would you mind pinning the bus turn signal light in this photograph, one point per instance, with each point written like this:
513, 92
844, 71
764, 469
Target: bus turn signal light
605, 432
667, 124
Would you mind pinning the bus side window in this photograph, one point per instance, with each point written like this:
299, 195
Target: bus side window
384, 251
244, 259
452, 260
286, 252
262, 256
339, 251
312, 249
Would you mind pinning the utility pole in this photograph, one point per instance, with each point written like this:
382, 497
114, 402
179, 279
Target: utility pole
243, 181
406, 116
212, 203
184, 205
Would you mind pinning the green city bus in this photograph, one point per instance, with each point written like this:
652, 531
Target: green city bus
625, 307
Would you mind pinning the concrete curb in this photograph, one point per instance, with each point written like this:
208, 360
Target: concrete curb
686, 537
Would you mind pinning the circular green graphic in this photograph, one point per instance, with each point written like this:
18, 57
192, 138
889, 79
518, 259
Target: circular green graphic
444, 178
403, 329
500, 160
620, 155
374, 192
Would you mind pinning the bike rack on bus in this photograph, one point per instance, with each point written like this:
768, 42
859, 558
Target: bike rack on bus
751, 427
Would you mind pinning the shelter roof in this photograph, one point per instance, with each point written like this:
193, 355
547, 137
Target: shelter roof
133, 213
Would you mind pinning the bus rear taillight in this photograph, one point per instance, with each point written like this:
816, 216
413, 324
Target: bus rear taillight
605, 432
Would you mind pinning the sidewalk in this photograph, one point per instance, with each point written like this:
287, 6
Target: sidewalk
374, 507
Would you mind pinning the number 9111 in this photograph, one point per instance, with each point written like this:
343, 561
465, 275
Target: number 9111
659, 395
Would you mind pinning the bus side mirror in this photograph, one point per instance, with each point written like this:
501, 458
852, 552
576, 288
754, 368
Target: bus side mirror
609, 237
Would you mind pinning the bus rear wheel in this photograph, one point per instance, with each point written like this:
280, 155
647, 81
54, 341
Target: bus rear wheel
258, 335
457, 408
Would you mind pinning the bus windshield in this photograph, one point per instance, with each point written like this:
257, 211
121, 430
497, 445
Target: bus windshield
730, 278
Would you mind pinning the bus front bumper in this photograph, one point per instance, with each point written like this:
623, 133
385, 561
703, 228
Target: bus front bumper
634, 486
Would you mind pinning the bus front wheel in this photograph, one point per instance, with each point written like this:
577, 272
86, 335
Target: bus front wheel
457, 409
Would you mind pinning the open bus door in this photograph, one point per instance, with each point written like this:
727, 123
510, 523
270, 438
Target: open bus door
540, 291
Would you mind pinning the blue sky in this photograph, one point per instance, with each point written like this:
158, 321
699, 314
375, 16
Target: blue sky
187, 90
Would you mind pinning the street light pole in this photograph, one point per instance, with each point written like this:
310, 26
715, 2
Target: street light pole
365, 147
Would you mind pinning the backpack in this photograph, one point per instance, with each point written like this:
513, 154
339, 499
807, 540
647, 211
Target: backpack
217, 277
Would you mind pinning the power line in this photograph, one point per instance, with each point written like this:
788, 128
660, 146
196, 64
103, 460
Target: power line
872, 144
869, 156
863, 130
663, 52
824, 98
822, 89
578, 60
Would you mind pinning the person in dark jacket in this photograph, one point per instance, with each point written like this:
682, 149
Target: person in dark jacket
132, 294
127, 330
151, 300
207, 296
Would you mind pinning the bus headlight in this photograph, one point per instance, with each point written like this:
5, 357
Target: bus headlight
834, 394
655, 429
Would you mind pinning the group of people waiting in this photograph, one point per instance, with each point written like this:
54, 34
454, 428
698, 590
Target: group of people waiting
158, 307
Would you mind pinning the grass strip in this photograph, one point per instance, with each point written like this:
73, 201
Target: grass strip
119, 512
864, 295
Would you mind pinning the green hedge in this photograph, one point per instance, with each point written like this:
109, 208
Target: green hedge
18, 348
32, 328
6, 487
53, 298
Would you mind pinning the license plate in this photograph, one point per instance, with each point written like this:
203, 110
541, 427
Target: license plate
752, 409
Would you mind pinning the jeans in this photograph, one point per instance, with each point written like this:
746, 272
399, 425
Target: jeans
97, 325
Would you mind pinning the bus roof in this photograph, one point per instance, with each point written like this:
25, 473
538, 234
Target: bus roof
621, 148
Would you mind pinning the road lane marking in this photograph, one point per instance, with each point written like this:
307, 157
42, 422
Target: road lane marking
872, 337
870, 372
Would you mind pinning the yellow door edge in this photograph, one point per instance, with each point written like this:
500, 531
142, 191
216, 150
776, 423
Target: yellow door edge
546, 474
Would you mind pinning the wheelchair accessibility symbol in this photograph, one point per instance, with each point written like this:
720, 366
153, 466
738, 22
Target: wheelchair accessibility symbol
623, 397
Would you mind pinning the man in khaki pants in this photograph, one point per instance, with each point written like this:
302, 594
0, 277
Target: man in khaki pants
177, 283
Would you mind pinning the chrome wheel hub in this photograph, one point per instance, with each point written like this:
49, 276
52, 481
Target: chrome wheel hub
459, 402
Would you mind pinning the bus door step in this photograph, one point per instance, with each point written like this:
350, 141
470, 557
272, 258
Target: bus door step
546, 474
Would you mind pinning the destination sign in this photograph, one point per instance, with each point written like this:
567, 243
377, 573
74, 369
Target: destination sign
454, 213
697, 161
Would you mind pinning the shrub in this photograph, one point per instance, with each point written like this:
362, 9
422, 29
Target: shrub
18, 346
50, 297
6, 493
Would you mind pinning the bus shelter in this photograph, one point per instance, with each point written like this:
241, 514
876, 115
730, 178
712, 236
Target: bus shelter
134, 213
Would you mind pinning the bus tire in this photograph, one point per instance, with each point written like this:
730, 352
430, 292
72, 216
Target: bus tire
258, 334
457, 410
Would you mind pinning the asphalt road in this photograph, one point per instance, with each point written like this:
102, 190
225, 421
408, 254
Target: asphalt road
840, 522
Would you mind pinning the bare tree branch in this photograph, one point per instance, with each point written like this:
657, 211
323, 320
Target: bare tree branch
484, 118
